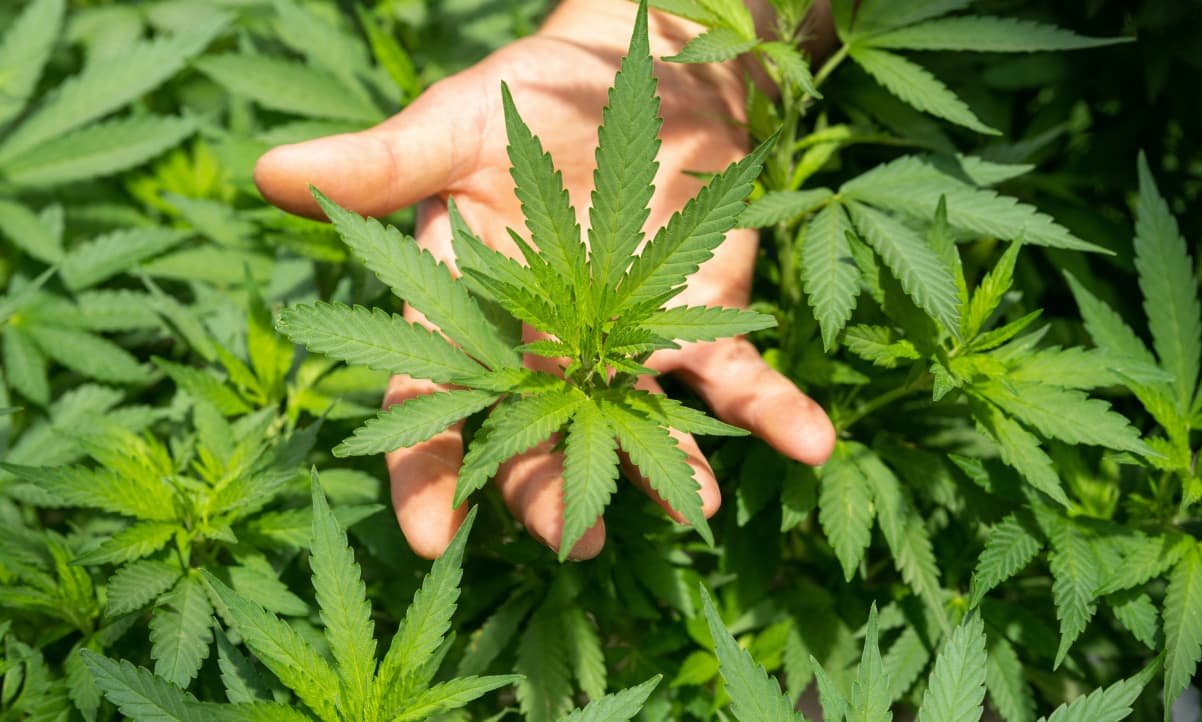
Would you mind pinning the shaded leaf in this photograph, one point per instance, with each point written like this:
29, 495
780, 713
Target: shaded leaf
917, 87
986, 34
141, 695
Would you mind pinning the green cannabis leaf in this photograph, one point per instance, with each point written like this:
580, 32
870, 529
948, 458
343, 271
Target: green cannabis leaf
355, 687
58, 142
926, 27
754, 694
599, 308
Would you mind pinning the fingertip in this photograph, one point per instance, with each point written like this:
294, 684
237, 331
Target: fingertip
763, 401
423, 479
711, 497
813, 436
588, 546
532, 486
430, 536
703, 474
273, 178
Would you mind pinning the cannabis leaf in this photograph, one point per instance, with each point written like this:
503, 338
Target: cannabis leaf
988, 35
1169, 288
870, 689
342, 603
917, 86
888, 26
956, 687
1182, 624
1106, 705
754, 695
845, 507
26, 48
600, 307
831, 283
1011, 545
1076, 572
139, 694
617, 707
181, 631
355, 687
57, 142
289, 86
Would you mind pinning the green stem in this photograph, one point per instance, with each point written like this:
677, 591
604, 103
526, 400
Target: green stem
921, 384
831, 63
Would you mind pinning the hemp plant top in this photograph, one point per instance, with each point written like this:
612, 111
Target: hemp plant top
599, 306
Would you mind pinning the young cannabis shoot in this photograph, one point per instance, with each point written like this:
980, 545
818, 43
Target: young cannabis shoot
599, 306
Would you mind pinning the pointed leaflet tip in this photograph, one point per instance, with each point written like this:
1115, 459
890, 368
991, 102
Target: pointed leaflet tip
507, 103
459, 541
639, 44
329, 207
318, 494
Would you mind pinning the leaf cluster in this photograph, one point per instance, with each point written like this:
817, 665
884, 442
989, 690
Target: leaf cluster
598, 311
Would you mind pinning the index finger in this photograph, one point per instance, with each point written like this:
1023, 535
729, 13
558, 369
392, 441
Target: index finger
419, 152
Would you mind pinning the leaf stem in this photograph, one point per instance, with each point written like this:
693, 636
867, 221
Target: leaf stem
831, 63
922, 383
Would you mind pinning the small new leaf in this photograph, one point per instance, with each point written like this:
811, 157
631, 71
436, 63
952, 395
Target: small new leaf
988, 295
1011, 545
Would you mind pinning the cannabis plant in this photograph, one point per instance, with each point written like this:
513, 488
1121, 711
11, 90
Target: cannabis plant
955, 688
399, 687
62, 139
938, 386
601, 308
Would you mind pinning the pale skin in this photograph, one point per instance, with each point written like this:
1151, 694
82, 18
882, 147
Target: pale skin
451, 143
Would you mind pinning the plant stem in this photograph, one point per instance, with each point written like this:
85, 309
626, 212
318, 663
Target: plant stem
921, 384
831, 63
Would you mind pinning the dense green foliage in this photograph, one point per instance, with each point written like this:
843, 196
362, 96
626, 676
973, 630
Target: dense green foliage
967, 260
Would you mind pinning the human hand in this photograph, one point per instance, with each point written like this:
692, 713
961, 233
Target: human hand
452, 142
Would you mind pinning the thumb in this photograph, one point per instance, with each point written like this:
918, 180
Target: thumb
415, 154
